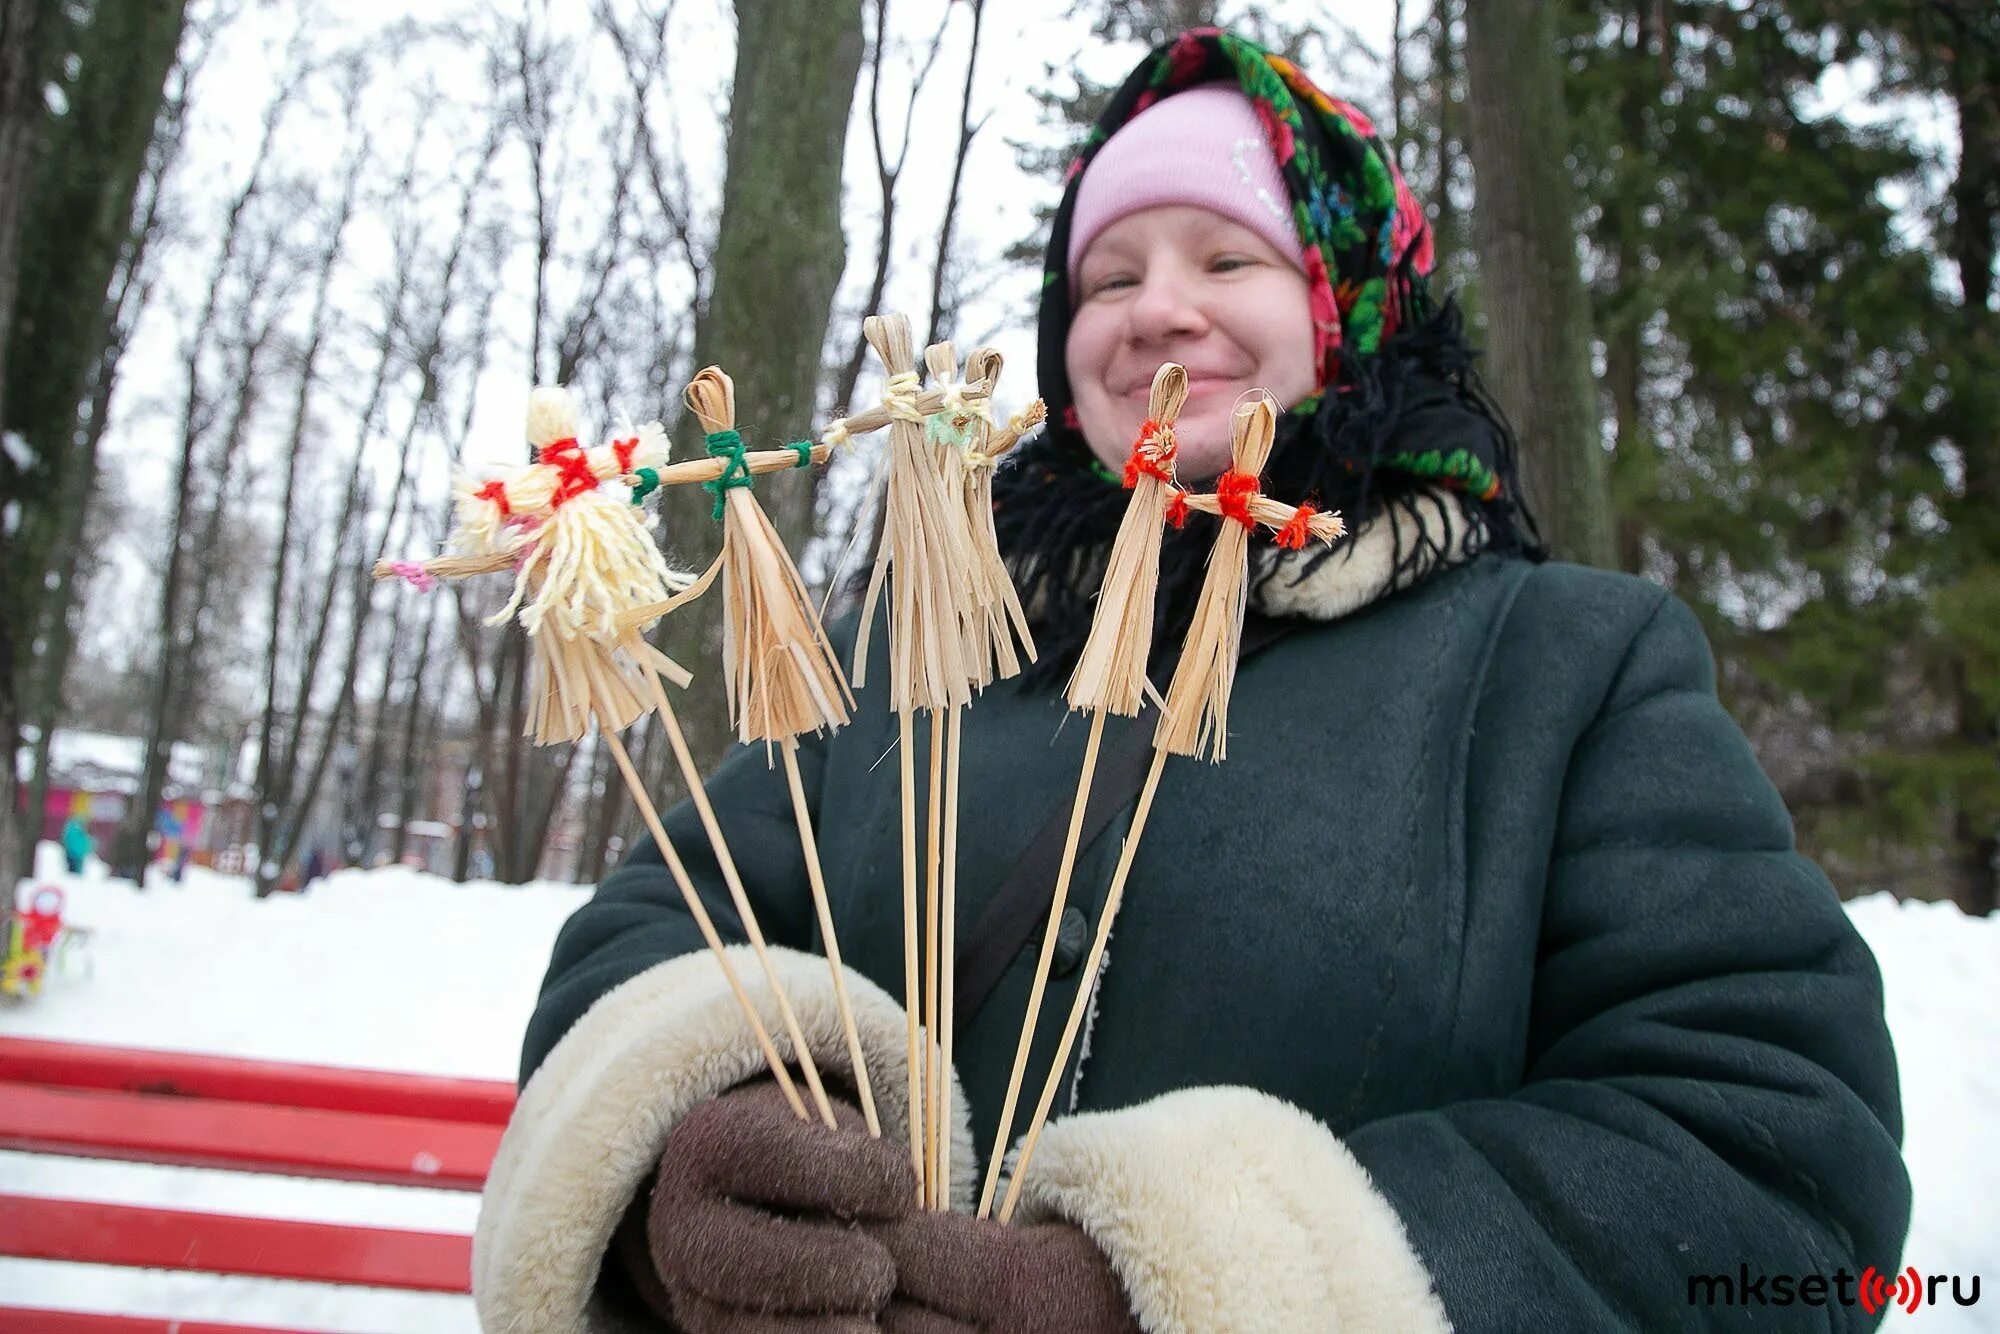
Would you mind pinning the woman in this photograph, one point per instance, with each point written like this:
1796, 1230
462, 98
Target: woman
1481, 987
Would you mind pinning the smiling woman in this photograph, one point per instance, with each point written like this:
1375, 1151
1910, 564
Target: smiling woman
1482, 988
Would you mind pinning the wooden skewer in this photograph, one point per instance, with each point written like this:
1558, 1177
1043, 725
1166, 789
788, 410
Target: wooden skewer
697, 794
911, 995
856, 1057
932, 867
1081, 1005
948, 951
699, 912
1044, 960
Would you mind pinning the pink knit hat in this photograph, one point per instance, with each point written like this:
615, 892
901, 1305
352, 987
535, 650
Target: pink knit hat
1204, 147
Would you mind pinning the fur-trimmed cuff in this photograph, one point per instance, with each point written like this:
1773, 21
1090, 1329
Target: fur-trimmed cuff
1226, 1209
590, 1124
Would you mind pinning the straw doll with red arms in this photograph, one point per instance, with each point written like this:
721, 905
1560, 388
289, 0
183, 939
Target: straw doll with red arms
1110, 677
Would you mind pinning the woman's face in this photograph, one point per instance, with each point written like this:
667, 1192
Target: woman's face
1179, 283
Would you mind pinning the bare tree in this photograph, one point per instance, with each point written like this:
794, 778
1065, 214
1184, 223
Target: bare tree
251, 324
521, 784
74, 559
887, 175
278, 766
943, 286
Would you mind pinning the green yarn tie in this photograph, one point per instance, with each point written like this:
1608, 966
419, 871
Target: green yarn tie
649, 482
805, 449
728, 445
938, 430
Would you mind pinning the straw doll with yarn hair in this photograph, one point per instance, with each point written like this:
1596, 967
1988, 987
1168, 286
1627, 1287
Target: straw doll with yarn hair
589, 580
581, 555
1480, 987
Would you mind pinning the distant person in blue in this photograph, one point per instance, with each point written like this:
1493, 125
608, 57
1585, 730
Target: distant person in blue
77, 844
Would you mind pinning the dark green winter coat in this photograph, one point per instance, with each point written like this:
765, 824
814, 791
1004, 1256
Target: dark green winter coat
1490, 898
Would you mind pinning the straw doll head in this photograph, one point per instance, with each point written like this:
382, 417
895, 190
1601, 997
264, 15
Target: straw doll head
1111, 672
781, 675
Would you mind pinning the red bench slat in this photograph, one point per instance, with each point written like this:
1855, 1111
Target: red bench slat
247, 1136
34, 1320
35, 1228
278, 1083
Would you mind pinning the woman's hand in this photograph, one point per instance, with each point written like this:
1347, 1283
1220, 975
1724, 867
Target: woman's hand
754, 1220
960, 1275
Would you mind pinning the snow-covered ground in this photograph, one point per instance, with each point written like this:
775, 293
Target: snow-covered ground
398, 970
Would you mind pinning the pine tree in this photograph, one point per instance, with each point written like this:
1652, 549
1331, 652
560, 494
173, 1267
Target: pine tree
1793, 388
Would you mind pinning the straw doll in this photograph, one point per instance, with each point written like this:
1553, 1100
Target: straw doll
1110, 676
927, 547
568, 526
1195, 714
781, 674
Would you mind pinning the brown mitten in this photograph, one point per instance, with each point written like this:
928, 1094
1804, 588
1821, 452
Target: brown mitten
958, 1275
753, 1224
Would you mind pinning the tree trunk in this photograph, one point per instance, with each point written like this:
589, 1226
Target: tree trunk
24, 33
778, 258
72, 561
886, 177
1975, 88
67, 184
607, 790
1538, 314
25, 27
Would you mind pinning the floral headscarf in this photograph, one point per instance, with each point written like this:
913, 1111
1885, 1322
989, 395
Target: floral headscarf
1397, 406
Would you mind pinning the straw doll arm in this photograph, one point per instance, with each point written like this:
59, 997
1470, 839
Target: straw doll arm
1707, 1080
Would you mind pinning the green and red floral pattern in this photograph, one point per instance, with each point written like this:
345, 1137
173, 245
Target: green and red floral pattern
1366, 244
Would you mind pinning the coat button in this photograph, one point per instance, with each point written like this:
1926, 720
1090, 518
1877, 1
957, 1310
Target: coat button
1072, 942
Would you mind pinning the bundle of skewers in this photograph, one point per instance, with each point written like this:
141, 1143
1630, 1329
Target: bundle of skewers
589, 582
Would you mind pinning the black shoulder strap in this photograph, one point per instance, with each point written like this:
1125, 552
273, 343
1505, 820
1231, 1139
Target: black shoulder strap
1021, 906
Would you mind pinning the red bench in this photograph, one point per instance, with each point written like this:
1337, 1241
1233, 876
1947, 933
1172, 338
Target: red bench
254, 1116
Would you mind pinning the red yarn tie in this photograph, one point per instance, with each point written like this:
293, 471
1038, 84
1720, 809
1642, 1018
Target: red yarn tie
1142, 463
1177, 510
623, 451
567, 458
1296, 530
1233, 493
497, 493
